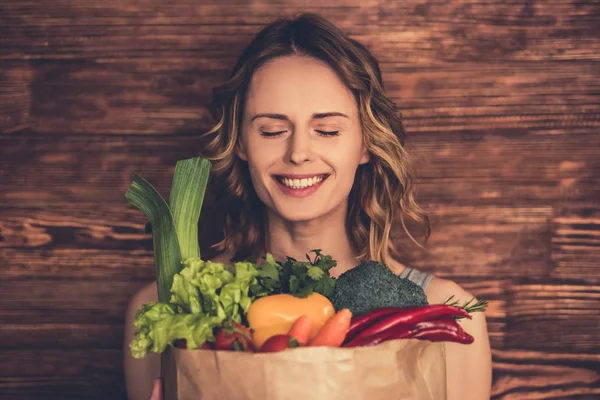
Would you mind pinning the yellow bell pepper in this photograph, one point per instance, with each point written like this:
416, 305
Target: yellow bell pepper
275, 314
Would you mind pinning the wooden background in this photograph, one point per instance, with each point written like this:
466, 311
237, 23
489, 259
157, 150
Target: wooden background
501, 101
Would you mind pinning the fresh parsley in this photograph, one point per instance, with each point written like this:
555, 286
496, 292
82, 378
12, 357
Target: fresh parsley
299, 278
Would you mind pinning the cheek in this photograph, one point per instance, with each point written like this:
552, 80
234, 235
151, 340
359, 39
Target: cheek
345, 158
260, 158
345, 167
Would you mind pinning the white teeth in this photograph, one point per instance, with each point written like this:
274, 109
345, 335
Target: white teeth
301, 183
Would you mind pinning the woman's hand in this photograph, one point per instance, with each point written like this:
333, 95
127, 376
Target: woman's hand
157, 392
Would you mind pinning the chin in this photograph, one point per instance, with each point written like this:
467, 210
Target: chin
303, 213
299, 216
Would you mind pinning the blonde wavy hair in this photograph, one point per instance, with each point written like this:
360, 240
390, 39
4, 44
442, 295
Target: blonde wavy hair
382, 188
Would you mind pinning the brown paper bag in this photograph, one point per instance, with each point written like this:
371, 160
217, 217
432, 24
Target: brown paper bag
407, 369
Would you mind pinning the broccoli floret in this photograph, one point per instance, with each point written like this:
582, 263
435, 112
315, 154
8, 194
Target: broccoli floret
372, 285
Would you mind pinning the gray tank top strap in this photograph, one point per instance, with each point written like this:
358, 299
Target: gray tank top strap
419, 277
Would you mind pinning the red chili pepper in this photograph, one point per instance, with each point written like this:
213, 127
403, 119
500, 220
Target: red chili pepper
446, 329
445, 323
362, 321
449, 325
412, 317
444, 335
397, 332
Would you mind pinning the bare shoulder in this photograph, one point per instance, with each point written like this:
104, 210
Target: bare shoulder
466, 365
146, 294
439, 289
139, 373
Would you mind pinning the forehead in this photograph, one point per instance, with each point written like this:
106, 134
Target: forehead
297, 84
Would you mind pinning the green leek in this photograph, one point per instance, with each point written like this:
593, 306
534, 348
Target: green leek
187, 195
174, 227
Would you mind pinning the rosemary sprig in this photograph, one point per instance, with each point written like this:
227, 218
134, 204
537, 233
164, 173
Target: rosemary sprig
480, 305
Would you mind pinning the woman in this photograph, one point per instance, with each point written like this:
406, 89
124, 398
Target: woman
309, 154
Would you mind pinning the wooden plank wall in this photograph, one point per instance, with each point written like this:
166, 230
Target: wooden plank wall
501, 101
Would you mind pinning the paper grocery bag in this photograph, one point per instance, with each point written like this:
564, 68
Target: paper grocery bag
407, 369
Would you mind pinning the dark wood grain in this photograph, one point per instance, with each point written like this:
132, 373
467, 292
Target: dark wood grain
90, 373
53, 234
414, 32
72, 264
61, 336
511, 168
501, 241
545, 375
576, 242
52, 171
563, 317
15, 96
78, 225
47, 301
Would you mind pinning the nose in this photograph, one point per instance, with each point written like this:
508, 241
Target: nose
300, 148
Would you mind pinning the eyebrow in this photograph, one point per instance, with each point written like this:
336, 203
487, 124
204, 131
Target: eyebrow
284, 117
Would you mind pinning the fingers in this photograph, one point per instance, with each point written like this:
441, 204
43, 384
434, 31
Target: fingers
156, 390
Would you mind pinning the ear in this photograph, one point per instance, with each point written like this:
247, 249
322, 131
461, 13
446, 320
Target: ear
240, 151
365, 157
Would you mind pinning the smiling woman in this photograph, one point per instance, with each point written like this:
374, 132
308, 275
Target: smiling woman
306, 101
303, 165
308, 152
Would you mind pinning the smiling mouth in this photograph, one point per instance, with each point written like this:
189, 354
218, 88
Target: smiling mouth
301, 183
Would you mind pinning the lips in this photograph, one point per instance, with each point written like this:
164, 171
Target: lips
300, 181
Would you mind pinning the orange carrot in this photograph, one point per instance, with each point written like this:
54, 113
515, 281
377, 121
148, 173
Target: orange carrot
334, 331
301, 329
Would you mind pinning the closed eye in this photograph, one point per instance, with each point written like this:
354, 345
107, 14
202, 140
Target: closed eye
322, 133
271, 134
329, 133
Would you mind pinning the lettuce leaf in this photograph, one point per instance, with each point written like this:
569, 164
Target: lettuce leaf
234, 296
146, 320
203, 295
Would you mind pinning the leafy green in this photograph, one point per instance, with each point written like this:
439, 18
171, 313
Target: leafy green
167, 253
315, 273
174, 226
267, 278
187, 195
203, 295
234, 296
194, 328
145, 324
299, 278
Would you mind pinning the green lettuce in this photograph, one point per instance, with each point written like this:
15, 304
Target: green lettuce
146, 320
203, 295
